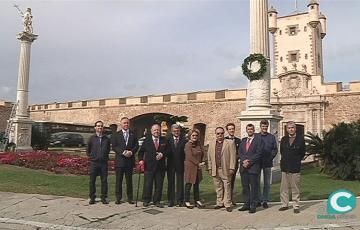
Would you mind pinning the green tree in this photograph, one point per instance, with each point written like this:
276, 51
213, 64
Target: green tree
170, 120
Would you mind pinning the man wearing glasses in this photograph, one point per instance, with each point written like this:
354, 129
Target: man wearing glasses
97, 150
221, 166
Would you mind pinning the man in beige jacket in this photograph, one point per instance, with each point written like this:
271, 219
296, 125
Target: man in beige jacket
221, 166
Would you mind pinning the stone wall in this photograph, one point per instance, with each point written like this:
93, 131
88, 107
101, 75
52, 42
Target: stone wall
211, 113
315, 112
341, 107
5, 110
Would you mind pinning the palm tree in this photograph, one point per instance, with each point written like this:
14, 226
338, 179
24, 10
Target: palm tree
339, 149
314, 147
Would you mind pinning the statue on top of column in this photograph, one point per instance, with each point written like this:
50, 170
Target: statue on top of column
27, 19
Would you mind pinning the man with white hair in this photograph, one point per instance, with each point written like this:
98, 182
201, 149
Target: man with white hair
292, 151
175, 166
152, 154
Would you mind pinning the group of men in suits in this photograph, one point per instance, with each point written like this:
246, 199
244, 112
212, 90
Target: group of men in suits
225, 156
256, 153
152, 154
251, 154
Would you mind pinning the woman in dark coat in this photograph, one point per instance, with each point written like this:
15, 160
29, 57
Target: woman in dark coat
194, 161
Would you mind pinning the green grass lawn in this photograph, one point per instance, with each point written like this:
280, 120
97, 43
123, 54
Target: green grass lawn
314, 185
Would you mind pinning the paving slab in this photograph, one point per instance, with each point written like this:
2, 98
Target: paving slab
34, 211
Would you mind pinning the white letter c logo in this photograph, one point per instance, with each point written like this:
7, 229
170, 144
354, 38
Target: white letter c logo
334, 204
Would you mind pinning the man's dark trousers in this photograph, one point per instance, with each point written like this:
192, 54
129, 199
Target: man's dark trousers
98, 168
120, 172
250, 184
179, 176
156, 176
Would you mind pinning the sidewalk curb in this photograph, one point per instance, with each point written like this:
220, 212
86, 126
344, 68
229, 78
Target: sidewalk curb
41, 225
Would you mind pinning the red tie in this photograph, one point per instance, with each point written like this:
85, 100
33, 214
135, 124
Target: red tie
156, 143
248, 143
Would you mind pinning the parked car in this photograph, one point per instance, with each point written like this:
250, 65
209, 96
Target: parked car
66, 140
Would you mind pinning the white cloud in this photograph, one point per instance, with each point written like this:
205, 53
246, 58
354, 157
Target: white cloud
7, 93
234, 77
5, 90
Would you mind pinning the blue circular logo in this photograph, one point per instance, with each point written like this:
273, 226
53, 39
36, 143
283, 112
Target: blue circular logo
341, 201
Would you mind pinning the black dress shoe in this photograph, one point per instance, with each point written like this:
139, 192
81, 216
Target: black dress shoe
229, 209
171, 204
244, 208
265, 205
199, 204
252, 210
131, 202
146, 204
181, 204
218, 206
188, 205
92, 201
283, 208
159, 205
296, 210
118, 202
104, 201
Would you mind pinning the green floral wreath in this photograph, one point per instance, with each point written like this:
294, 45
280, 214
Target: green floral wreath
258, 74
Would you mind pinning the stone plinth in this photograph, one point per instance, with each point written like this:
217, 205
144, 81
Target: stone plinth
21, 134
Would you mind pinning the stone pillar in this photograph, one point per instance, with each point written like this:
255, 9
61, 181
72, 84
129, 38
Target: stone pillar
258, 103
21, 134
259, 90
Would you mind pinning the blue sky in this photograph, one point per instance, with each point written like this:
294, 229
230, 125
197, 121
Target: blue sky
102, 49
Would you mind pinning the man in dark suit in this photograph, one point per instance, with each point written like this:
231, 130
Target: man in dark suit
97, 150
292, 150
230, 128
175, 166
250, 155
152, 153
125, 145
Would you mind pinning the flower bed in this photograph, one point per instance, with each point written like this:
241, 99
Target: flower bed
53, 162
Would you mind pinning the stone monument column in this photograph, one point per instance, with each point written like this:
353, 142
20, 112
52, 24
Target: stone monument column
259, 90
21, 134
258, 93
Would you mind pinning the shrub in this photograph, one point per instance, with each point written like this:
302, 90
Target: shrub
339, 149
53, 162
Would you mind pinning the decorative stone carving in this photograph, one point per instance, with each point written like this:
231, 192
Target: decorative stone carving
304, 68
23, 139
259, 92
27, 19
314, 90
275, 92
284, 68
294, 65
294, 84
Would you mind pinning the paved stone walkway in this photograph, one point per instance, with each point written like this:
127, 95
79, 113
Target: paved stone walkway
33, 211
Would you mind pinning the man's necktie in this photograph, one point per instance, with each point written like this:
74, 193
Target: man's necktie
176, 141
248, 143
126, 137
156, 143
